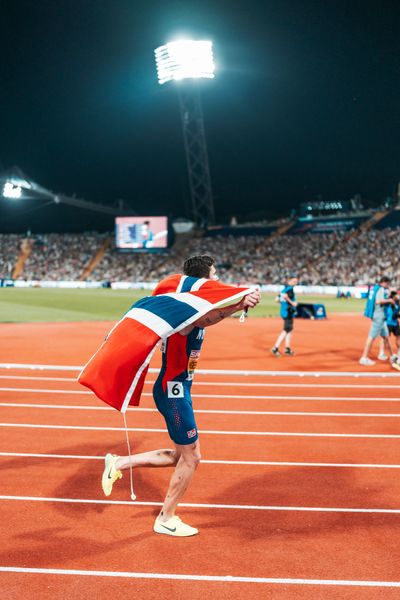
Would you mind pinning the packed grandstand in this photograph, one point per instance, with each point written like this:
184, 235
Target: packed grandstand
339, 251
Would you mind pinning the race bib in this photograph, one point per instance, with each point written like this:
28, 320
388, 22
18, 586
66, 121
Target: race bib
192, 363
175, 389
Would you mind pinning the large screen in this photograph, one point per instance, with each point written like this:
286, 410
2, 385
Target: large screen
141, 234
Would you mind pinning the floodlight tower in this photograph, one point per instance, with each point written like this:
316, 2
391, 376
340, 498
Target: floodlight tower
177, 61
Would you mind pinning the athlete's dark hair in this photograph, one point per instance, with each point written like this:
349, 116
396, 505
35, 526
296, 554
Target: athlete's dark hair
384, 279
198, 266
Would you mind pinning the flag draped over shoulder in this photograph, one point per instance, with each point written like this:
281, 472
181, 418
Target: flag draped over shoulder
117, 371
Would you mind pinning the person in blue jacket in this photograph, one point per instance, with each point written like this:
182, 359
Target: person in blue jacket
288, 304
377, 302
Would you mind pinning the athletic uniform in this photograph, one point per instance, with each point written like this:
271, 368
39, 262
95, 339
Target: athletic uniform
180, 354
171, 390
287, 311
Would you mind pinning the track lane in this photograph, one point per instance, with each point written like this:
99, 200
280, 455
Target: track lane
55, 587
207, 422
116, 537
279, 448
214, 484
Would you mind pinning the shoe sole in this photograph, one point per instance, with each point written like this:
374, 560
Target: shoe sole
105, 481
174, 533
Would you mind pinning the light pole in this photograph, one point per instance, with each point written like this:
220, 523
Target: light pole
193, 60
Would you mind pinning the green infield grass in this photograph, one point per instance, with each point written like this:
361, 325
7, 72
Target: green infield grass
51, 305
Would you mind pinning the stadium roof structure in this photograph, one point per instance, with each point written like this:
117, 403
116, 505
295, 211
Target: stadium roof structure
14, 184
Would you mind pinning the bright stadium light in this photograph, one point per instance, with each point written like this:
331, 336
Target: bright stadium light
190, 60
184, 59
10, 190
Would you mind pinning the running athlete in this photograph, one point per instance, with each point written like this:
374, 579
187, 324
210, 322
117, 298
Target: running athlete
288, 304
171, 392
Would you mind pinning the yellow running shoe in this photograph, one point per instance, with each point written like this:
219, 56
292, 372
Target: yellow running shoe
175, 527
110, 474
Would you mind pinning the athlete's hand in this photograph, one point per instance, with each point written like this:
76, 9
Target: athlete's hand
251, 300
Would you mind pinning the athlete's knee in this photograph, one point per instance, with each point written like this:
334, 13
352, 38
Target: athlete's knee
192, 456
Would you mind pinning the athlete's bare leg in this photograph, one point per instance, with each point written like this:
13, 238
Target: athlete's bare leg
367, 347
387, 344
154, 458
280, 339
288, 340
181, 478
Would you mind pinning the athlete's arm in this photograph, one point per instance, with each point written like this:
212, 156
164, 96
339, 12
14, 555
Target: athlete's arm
218, 314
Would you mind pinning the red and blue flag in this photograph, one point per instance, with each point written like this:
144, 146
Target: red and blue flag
117, 371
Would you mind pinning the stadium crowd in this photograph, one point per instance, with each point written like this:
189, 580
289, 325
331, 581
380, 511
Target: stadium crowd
317, 259
60, 256
10, 247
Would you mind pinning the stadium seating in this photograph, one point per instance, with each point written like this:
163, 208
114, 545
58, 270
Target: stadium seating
337, 258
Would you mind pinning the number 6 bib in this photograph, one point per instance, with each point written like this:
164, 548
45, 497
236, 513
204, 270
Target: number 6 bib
175, 389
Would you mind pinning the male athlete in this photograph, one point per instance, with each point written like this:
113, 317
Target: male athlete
171, 392
287, 311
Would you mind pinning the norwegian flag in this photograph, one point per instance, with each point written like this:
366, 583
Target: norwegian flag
117, 371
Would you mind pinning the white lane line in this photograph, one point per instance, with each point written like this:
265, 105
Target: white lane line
220, 371
194, 396
219, 578
207, 432
227, 384
262, 463
324, 509
203, 505
202, 411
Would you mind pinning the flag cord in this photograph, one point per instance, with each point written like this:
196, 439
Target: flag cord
133, 495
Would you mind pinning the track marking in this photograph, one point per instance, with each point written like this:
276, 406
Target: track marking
219, 371
228, 384
207, 432
218, 462
204, 411
220, 578
324, 509
194, 396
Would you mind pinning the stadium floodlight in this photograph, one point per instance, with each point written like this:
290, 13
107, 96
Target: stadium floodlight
191, 60
10, 190
184, 59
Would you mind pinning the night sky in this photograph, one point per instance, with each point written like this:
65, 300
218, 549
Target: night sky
305, 104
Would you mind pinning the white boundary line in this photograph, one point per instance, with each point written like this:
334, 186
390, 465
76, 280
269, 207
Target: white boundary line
204, 411
220, 371
216, 462
207, 432
227, 384
187, 577
324, 509
216, 396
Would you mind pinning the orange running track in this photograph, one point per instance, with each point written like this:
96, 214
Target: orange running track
297, 496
